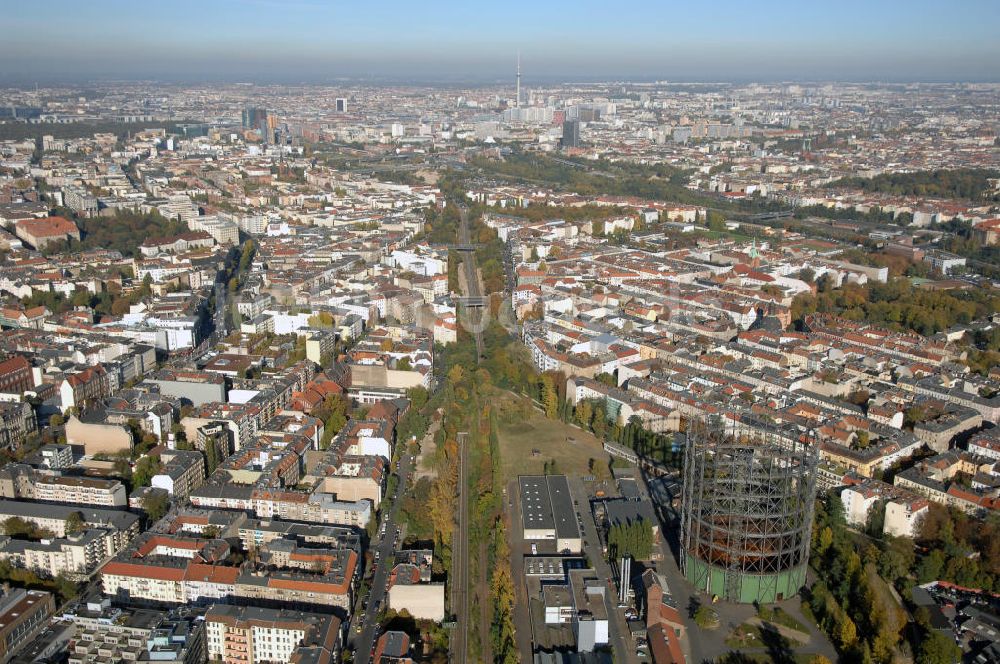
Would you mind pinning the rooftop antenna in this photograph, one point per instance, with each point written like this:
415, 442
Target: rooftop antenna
517, 99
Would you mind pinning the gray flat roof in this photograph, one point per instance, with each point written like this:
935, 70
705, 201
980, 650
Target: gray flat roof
536, 508
396, 644
562, 507
120, 519
629, 488
546, 504
622, 510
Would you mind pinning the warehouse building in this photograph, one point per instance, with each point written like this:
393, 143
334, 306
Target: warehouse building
547, 512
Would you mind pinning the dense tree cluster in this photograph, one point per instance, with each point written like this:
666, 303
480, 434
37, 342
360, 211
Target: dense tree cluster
960, 548
413, 511
934, 647
75, 523
213, 457
16, 131
851, 601
489, 257
984, 258
124, 232
502, 593
145, 469
968, 183
633, 539
454, 262
414, 424
570, 213
429, 509
333, 412
19, 528
156, 504
852, 604
62, 585
238, 264
899, 305
656, 182
441, 225
322, 320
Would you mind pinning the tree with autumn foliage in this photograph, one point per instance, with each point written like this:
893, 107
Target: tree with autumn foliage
502, 591
549, 396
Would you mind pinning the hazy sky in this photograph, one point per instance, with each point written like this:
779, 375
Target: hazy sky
316, 40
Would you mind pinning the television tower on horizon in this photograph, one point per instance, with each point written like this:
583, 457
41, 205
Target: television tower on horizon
517, 98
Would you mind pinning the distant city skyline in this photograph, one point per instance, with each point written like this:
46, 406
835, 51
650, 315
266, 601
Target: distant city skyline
441, 40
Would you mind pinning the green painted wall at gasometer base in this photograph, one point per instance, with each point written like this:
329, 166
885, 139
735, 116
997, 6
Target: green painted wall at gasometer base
749, 588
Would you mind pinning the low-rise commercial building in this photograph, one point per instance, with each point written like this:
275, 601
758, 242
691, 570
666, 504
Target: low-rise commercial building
547, 512
580, 603
411, 590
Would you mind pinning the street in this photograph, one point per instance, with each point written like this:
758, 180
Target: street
385, 549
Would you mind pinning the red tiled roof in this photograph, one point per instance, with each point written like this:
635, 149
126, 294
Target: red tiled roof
16, 363
47, 227
211, 574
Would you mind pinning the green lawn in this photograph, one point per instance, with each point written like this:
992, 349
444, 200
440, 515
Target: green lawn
523, 429
781, 617
764, 658
745, 636
750, 636
725, 235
